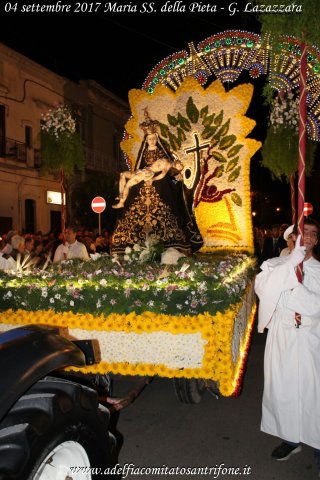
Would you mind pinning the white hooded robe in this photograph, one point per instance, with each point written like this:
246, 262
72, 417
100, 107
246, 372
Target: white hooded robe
291, 397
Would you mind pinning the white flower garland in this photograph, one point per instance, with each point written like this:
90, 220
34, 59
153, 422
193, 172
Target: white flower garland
58, 121
285, 112
142, 253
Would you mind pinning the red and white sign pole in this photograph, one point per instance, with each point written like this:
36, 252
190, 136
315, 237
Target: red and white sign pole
98, 205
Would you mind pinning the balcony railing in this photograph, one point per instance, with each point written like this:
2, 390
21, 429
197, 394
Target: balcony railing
15, 150
95, 160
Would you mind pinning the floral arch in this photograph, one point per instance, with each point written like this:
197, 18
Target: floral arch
227, 54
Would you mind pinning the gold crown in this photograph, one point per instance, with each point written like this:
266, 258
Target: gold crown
149, 125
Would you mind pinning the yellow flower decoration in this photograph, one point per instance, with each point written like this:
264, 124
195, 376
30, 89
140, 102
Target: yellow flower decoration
207, 128
198, 346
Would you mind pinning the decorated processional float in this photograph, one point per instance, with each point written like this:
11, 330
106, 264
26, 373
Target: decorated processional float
187, 318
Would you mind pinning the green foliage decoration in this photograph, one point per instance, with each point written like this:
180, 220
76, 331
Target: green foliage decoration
236, 199
211, 126
280, 149
192, 111
61, 146
280, 153
108, 284
304, 25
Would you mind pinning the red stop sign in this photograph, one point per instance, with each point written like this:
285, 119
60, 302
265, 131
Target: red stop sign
98, 204
307, 209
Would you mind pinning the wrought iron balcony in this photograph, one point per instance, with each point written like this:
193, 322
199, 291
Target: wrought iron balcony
15, 150
93, 160
18, 151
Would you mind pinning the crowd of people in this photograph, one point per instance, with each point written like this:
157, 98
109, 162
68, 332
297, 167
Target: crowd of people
39, 249
271, 242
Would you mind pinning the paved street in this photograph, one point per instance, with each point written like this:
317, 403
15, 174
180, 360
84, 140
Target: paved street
159, 431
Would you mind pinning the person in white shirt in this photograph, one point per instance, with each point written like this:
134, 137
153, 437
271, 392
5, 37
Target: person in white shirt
7, 263
289, 236
291, 312
71, 248
8, 247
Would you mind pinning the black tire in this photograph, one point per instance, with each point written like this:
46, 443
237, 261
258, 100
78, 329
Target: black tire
189, 390
53, 411
213, 388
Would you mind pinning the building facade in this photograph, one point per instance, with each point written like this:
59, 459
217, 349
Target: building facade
27, 196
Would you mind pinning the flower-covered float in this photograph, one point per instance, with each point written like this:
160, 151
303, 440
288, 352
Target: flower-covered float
190, 319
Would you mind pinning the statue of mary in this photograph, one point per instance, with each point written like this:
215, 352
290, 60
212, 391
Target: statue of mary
156, 207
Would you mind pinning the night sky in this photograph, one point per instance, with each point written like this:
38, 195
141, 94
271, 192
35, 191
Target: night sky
118, 50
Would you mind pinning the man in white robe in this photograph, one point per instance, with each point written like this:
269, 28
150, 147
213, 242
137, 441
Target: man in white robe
291, 397
71, 248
